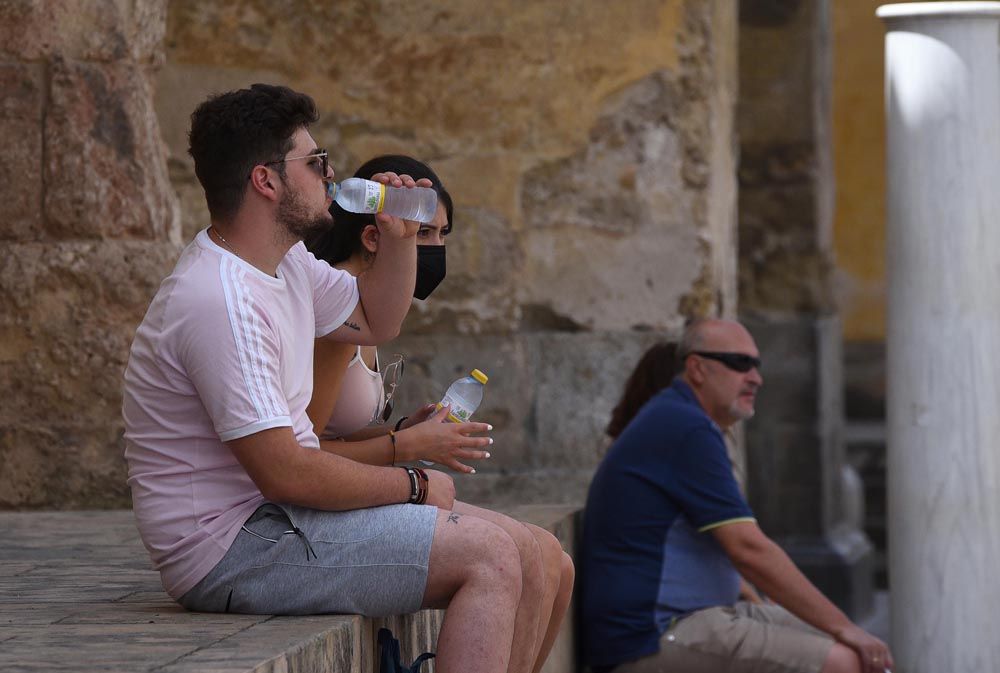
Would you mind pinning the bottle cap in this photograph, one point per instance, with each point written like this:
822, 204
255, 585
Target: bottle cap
479, 376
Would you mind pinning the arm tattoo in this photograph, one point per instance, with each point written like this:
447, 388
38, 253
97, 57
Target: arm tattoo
453, 518
353, 325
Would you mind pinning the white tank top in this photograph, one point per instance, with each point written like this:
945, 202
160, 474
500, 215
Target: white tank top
361, 400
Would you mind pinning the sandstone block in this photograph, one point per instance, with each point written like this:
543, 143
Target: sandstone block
94, 30
67, 315
105, 168
62, 464
600, 223
21, 169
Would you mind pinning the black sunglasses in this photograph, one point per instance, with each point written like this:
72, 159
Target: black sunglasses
738, 362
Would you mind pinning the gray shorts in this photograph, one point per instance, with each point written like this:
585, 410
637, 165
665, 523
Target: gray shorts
292, 560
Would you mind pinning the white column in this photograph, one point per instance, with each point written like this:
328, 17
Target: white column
943, 261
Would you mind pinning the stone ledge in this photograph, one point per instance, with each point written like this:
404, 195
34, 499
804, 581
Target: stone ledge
76, 593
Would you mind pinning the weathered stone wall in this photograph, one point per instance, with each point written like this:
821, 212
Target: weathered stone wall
90, 223
589, 147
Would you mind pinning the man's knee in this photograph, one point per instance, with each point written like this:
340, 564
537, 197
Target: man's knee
496, 559
529, 553
553, 557
526, 543
841, 659
532, 562
567, 570
474, 553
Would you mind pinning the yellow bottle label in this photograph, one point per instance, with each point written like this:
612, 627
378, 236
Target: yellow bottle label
374, 196
456, 415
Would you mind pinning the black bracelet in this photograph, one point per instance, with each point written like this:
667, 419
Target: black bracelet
399, 423
414, 486
392, 438
425, 486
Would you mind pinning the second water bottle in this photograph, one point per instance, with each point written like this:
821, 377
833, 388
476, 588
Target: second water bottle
463, 396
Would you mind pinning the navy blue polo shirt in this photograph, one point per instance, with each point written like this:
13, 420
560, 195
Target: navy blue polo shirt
647, 553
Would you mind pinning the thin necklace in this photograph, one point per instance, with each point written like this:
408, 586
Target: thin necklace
225, 242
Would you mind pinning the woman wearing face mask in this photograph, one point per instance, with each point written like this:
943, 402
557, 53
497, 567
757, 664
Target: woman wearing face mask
349, 404
348, 400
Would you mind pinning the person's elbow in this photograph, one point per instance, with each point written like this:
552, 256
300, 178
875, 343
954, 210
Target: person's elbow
274, 490
388, 332
376, 335
381, 326
746, 546
276, 485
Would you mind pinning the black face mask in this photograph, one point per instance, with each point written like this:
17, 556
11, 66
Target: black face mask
430, 269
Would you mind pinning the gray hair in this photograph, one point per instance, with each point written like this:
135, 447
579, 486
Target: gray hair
691, 339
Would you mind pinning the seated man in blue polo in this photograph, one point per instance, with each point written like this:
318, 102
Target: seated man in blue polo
668, 538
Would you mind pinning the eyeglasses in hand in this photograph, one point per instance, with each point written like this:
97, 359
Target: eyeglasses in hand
392, 374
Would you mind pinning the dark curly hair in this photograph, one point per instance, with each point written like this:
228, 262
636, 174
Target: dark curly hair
654, 372
343, 239
235, 131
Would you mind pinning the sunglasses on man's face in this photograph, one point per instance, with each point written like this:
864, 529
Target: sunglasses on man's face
318, 161
738, 362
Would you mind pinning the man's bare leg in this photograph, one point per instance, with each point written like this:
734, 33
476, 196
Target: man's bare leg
561, 580
474, 572
539, 582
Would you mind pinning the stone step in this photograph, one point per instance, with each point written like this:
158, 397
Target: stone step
76, 594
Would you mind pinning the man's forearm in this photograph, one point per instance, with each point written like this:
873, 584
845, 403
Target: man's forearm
333, 482
373, 450
286, 472
386, 288
770, 569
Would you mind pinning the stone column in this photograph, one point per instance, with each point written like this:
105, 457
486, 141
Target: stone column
943, 114
90, 224
798, 481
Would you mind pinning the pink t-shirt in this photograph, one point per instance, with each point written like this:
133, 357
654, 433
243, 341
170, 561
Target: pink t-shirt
224, 351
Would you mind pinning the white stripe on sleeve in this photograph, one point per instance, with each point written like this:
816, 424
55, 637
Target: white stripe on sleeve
256, 339
234, 306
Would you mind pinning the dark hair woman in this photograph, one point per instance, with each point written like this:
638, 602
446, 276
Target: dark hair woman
654, 372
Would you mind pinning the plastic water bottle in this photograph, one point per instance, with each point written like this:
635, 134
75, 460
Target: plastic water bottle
464, 395
357, 195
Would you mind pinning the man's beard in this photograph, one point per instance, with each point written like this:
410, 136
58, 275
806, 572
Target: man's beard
739, 413
294, 216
